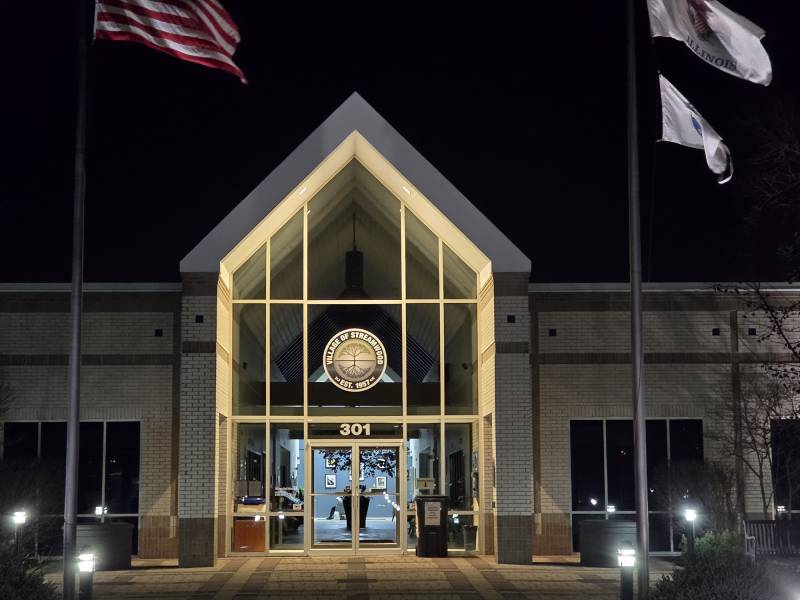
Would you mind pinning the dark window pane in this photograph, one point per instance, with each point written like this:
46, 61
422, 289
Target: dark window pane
659, 532
53, 468
576, 527
249, 282
90, 467
20, 440
657, 464
422, 260
460, 360
286, 359
786, 463
122, 467
461, 469
249, 359
619, 459
686, 440
423, 394
586, 465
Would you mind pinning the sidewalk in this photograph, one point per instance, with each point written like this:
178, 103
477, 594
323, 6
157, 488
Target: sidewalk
358, 578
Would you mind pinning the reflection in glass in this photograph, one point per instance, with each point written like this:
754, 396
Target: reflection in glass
286, 261
90, 467
460, 360
249, 442
586, 465
462, 532
378, 502
288, 466
619, 459
686, 440
459, 280
423, 393
286, 359
659, 532
576, 528
286, 532
122, 467
354, 238
383, 321
657, 464
249, 358
422, 460
461, 468
249, 281
53, 467
332, 487
422, 260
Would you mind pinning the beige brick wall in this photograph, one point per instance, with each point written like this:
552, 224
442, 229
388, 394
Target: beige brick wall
103, 333
595, 332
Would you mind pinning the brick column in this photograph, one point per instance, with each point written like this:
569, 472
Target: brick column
197, 478
513, 420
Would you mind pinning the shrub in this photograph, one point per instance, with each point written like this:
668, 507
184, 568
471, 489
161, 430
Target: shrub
719, 571
19, 582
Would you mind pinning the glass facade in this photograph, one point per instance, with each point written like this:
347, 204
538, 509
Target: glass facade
366, 322
601, 470
33, 461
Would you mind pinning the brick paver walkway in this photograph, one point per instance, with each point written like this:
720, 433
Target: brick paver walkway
357, 578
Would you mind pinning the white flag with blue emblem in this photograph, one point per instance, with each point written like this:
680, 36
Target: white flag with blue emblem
715, 34
683, 125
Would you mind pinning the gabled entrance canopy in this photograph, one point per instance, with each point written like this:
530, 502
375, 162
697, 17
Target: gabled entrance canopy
355, 130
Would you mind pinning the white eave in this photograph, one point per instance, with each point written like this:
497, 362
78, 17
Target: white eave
355, 115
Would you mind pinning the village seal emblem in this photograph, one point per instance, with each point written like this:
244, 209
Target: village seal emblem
354, 360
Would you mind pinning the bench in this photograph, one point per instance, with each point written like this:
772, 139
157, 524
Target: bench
771, 538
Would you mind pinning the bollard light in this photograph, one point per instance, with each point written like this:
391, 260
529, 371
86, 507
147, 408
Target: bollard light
281, 516
100, 510
86, 562
611, 508
20, 517
626, 558
593, 501
626, 555
781, 508
257, 518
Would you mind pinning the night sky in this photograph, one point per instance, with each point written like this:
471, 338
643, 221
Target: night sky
521, 107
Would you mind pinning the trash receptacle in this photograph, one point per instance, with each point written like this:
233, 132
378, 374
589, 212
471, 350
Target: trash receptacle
432, 525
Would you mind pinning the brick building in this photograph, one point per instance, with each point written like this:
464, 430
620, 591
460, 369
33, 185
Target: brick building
355, 334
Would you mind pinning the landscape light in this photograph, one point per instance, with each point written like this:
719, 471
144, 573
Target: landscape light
626, 555
86, 562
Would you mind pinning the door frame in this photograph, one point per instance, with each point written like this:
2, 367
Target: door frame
355, 547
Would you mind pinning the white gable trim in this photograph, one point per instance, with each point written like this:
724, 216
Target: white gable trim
352, 130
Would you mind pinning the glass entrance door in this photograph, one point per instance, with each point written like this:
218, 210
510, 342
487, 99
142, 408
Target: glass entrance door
355, 512
379, 507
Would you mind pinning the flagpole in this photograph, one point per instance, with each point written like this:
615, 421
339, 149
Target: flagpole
76, 306
635, 251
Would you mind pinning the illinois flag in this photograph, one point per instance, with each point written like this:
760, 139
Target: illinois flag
683, 125
714, 33
198, 31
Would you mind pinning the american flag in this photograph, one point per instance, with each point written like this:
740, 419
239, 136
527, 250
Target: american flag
199, 31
